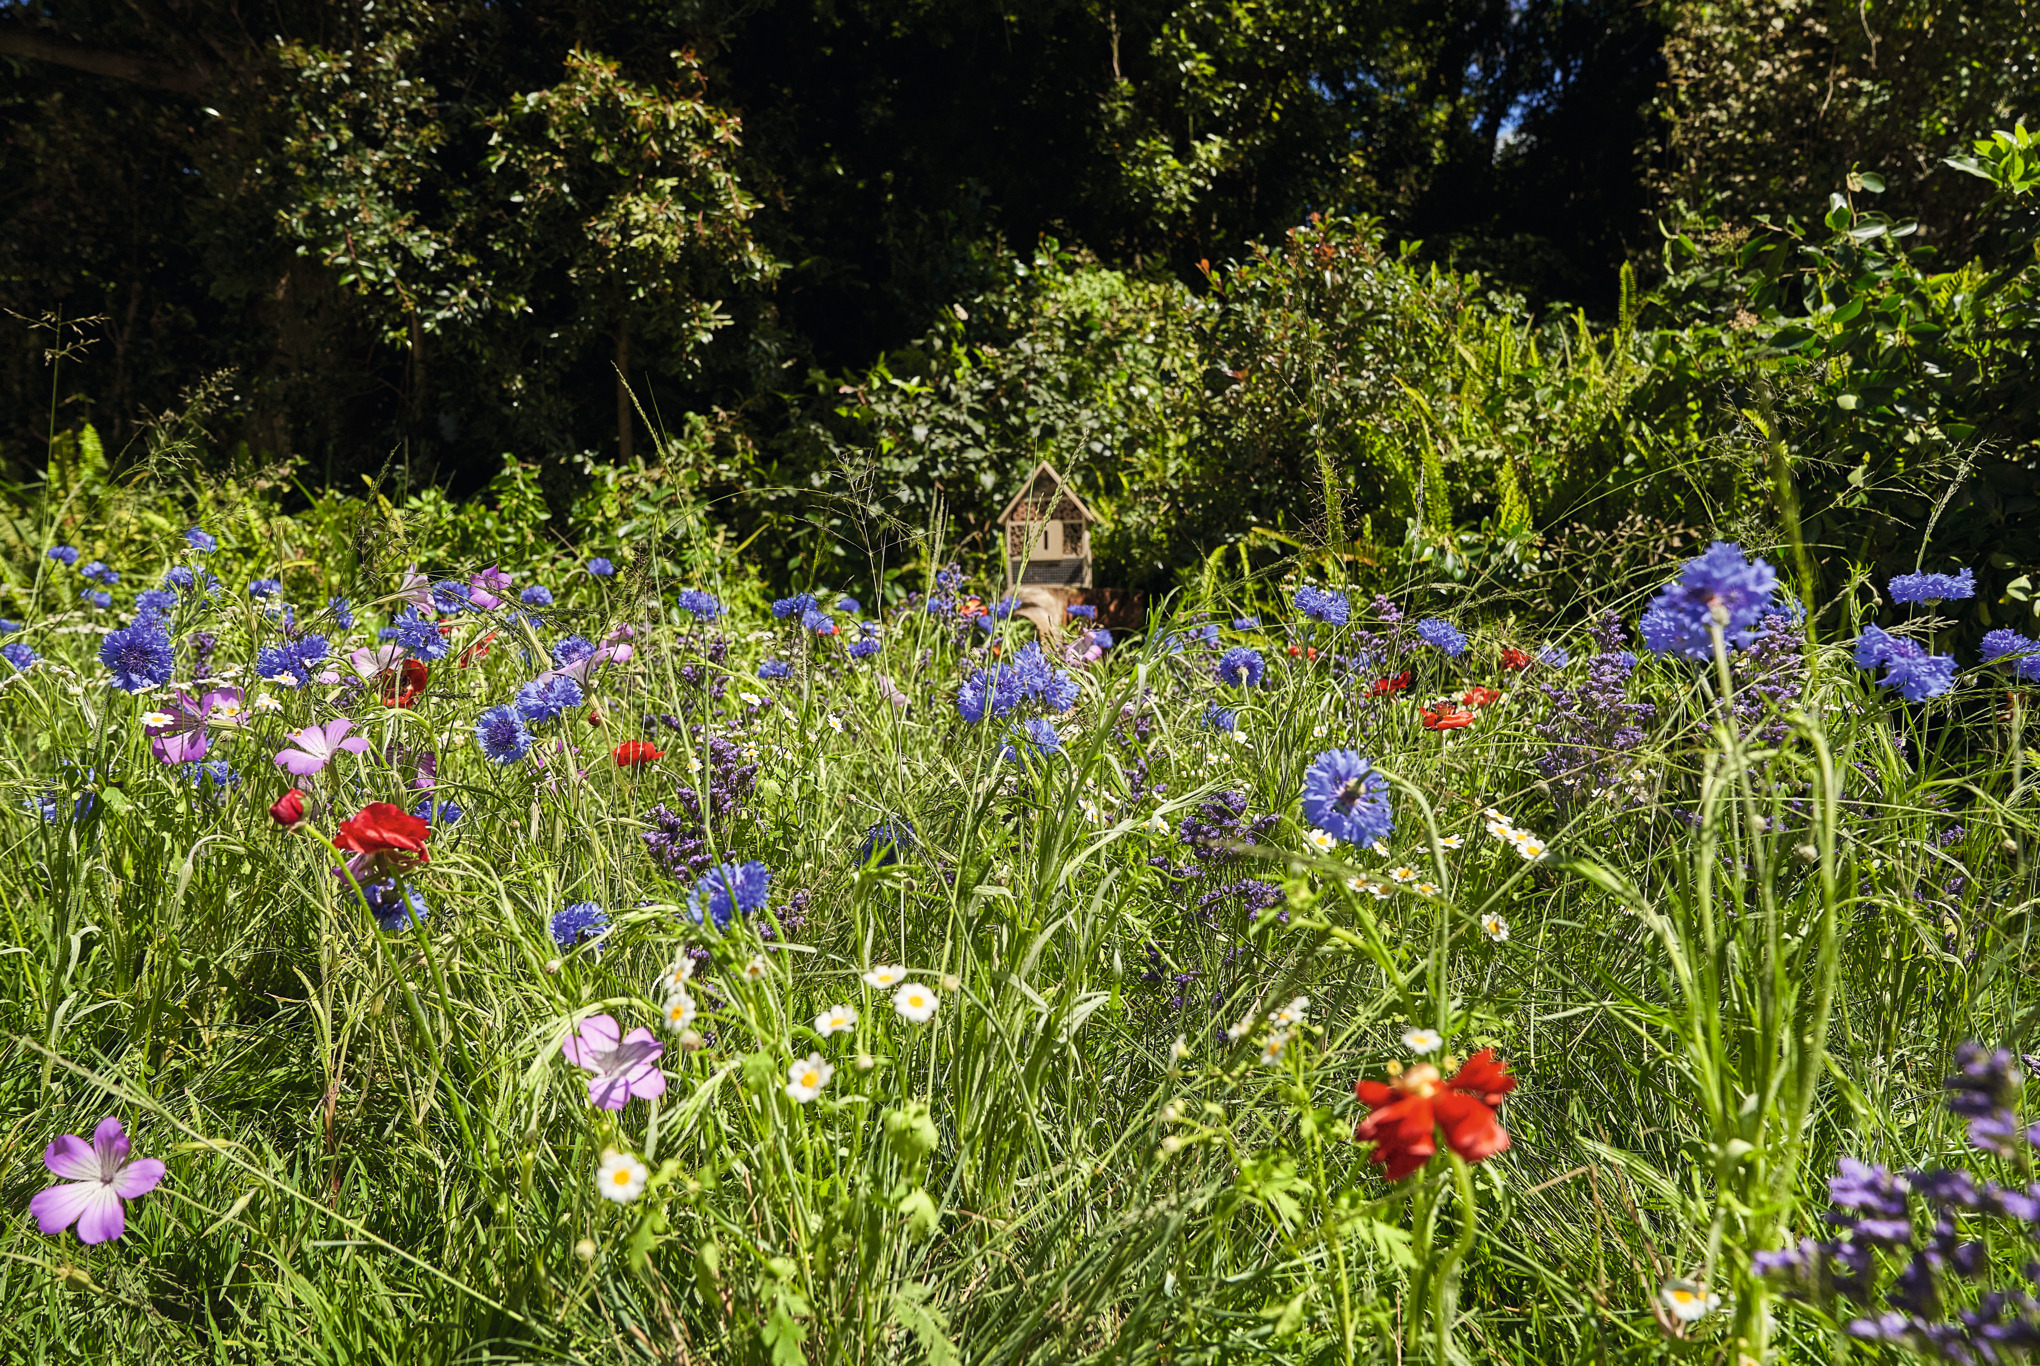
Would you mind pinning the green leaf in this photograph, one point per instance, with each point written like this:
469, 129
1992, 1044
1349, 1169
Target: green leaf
923, 1216
782, 1334
912, 1307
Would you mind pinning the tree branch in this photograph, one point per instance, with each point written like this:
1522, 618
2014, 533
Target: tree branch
120, 66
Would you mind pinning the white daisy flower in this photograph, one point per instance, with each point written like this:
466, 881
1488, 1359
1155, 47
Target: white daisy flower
835, 1020
676, 977
883, 976
915, 1002
621, 1177
751, 699
1318, 732
1320, 840
1451, 841
156, 718
1272, 1049
1530, 847
806, 1078
1093, 813
680, 1012
267, 702
1495, 928
836, 723
1502, 830
1404, 875
1687, 1302
1292, 1014
1426, 889
1423, 1041
756, 970
1380, 848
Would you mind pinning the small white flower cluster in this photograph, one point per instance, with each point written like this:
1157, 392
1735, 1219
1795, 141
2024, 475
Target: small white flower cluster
679, 1011
1522, 841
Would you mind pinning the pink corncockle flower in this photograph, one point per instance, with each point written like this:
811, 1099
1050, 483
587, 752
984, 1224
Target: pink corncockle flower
484, 587
318, 746
416, 589
587, 664
624, 1066
180, 738
97, 1177
369, 664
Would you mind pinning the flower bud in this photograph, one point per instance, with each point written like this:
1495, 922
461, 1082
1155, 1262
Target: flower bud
1807, 854
585, 1249
288, 810
692, 1041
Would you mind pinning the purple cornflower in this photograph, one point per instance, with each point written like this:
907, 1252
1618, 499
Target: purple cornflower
885, 842
20, 654
1590, 727
1907, 665
581, 922
1323, 605
156, 601
1346, 798
537, 595
1719, 588
291, 662
997, 689
450, 597
97, 1178
139, 655
601, 568
204, 542
818, 621
1220, 718
1442, 635
1034, 738
773, 669
438, 813
1554, 657
795, 607
1241, 667
501, 733
624, 1065
1933, 588
264, 588
393, 907
66, 555
865, 648
317, 746
729, 890
343, 615
1083, 611
849, 605
97, 598
98, 572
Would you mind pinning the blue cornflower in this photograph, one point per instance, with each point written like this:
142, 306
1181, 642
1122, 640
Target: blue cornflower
389, 909
20, 654
546, 696
700, 602
63, 554
1322, 605
799, 605
293, 659
537, 595
582, 921
216, 774
865, 648
1084, 611
849, 604
729, 890
818, 621
204, 542
264, 588
442, 812
1907, 665
450, 597
1103, 638
341, 611
139, 655
156, 601
1442, 635
885, 842
571, 650
601, 568
1033, 738
1717, 587
99, 573
1220, 718
1932, 588
998, 688
8, 628
1345, 797
773, 668
1246, 623
501, 734
2023, 654
1553, 656
180, 577
97, 597
1241, 667
417, 634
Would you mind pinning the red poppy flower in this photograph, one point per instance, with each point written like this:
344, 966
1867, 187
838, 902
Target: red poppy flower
1390, 686
288, 810
1514, 660
478, 650
401, 685
636, 753
595, 717
1310, 653
1405, 1114
1295, 651
1480, 697
384, 837
1445, 716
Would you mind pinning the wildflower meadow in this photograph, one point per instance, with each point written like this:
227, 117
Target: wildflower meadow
591, 956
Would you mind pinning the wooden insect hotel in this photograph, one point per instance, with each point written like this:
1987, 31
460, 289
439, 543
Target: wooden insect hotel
1048, 536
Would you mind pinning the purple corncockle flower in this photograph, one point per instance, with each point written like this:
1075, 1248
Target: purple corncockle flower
181, 738
97, 1178
416, 589
625, 1065
483, 588
318, 746
372, 662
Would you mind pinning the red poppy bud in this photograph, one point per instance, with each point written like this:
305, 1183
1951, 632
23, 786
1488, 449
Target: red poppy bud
1514, 660
288, 810
636, 753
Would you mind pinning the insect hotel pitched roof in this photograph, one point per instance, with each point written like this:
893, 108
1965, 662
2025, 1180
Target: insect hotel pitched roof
1060, 504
